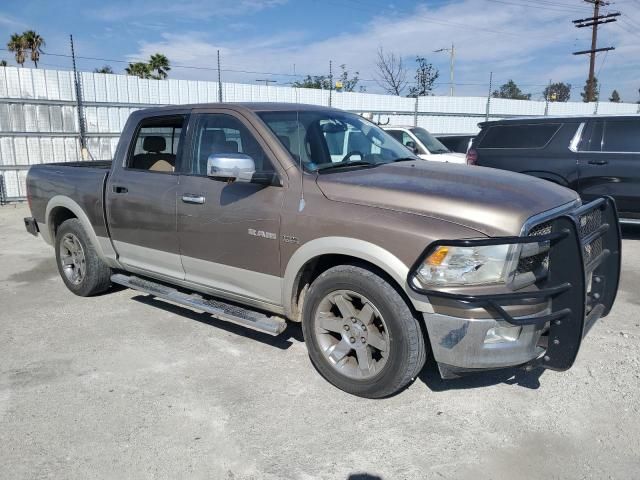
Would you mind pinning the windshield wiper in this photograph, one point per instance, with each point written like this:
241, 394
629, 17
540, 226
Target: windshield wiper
359, 163
441, 150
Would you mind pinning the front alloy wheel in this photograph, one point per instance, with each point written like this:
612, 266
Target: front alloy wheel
352, 334
361, 334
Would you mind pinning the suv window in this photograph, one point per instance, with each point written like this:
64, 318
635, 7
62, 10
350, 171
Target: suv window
221, 133
156, 144
621, 136
519, 136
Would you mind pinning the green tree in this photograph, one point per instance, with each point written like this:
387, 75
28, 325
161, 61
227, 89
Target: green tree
558, 92
159, 64
615, 97
139, 69
585, 91
348, 84
3, 63
426, 75
512, 91
18, 46
34, 42
315, 81
103, 69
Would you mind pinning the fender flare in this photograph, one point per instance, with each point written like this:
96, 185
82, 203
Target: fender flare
102, 245
352, 247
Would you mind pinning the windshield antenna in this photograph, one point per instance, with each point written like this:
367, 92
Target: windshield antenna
302, 203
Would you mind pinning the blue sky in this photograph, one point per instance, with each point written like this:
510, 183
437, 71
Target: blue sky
529, 41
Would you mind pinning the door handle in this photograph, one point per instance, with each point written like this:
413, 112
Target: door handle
119, 189
598, 162
191, 198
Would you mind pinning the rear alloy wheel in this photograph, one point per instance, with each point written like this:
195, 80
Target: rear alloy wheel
81, 268
360, 333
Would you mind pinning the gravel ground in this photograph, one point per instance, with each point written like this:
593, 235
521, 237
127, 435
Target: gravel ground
123, 386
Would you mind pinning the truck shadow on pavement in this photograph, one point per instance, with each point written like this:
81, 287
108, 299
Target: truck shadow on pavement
630, 232
282, 341
510, 376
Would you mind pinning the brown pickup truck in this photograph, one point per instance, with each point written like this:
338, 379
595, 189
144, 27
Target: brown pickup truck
266, 213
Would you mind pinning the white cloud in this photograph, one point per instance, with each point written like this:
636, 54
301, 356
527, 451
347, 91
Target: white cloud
530, 45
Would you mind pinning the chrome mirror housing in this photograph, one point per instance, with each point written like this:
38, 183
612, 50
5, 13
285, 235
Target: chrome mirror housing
234, 167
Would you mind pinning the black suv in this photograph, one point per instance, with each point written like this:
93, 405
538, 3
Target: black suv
593, 155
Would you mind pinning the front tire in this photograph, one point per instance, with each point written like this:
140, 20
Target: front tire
81, 269
361, 334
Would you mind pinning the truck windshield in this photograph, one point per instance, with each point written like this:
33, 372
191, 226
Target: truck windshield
327, 140
432, 143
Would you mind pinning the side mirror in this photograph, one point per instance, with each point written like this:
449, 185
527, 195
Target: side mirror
233, 167
411, 146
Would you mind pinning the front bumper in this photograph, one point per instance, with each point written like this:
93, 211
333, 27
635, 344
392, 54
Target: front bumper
580, 287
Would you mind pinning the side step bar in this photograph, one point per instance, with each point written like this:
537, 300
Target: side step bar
223, 311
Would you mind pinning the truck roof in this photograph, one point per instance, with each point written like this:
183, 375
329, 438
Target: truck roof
247, 106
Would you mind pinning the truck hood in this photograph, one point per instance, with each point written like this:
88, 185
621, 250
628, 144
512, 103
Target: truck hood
493, 202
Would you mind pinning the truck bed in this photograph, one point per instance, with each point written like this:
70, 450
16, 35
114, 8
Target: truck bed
82, 182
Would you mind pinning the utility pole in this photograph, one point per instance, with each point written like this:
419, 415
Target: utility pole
452, 54
593, 22
219, 80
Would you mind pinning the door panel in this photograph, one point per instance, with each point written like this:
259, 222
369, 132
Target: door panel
141, 202
609, 164
229, 241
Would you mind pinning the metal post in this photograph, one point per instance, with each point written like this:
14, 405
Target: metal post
81, 123
453, 54
415, 114
486, 118
3, 193
330, 83
546, 98
219, 80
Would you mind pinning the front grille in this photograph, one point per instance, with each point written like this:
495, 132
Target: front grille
537, 263
587, 224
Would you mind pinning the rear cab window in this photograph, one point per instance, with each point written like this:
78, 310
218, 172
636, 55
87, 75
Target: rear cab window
155, 147
534, 135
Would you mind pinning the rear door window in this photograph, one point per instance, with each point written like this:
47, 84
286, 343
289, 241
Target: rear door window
592, 138
519, 136
621, 136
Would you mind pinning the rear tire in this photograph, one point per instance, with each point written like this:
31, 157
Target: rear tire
81, 269
360, 333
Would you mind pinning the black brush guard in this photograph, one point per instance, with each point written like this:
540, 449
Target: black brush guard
582, 279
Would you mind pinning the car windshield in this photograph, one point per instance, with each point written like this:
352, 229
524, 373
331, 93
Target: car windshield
432, 143
330, 140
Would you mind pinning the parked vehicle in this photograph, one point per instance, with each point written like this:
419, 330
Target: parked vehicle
423, 144
458, 143
240, 210
593, 155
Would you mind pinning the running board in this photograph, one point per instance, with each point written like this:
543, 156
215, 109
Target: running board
221, 310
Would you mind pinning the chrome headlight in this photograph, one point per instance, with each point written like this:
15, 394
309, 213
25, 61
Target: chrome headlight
477, 265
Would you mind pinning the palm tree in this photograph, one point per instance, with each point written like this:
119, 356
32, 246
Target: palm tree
18, 45
34, 42
104, 69
160, 64
139, 69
